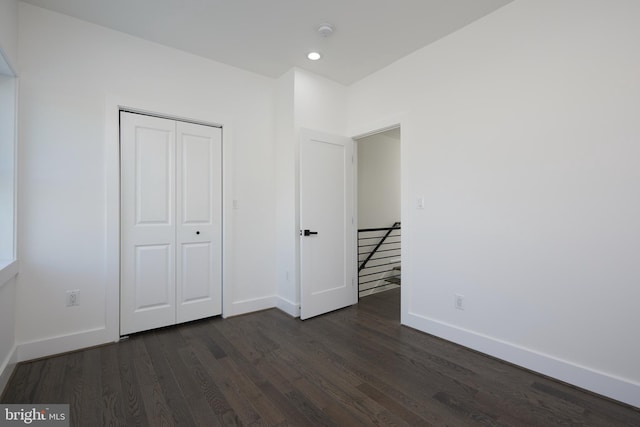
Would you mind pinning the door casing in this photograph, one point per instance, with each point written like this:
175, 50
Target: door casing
179, 111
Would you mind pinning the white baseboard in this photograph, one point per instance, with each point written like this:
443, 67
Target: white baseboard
8, 270
251, 305
598, 382
291, 308
63, 343
7, 367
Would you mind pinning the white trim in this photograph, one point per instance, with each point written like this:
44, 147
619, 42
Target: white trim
377, 126
598, 382
6, 69
9, 267
251, 305
63, 343
16, 130
289, 307
7, 367
169, 117
8, 270
114, 103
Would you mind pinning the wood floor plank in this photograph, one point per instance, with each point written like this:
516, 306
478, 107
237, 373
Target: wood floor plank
170, 389
329, 406
72, 391
156, 407
360, 370
91, 406
132, 398
50, 388
240, 393
335, 385
199, 386
392, 405
409, 368
113, 410
249, 376
37, 375
351, 367
17, 388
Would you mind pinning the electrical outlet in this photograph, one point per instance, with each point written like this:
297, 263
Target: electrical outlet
459, 302
72, 298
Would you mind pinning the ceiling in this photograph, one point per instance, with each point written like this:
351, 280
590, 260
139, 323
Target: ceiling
269, 37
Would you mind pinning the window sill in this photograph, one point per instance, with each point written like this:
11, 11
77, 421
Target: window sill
8, 270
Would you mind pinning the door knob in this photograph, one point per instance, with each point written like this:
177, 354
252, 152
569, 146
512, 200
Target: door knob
309, 232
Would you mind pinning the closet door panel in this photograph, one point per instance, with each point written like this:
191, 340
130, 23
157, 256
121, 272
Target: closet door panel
199, 221
148, 239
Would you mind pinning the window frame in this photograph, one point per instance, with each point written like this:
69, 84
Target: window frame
9, 163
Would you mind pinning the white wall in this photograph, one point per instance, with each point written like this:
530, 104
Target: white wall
305, 100
286, 196
9, 31
521, 131
320, 104
69, 71
378, 180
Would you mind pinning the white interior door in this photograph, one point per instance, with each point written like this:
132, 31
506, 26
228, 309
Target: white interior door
171, 207
199, 219
148, 232
327, 259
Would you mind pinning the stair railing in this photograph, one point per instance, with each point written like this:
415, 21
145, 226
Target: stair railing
378, 258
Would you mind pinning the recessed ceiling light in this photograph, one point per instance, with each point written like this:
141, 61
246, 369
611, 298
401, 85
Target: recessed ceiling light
314, 56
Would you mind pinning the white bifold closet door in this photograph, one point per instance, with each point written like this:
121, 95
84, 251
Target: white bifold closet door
171, 225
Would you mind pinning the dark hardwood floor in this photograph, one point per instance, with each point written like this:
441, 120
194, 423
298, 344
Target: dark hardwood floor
355, 366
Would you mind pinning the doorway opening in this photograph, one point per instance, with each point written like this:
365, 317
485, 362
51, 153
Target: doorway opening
379, 212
